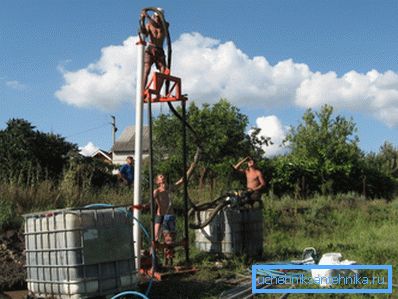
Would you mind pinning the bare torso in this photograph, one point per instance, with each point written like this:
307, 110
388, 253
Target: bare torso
156, 34
253, 178
162, 199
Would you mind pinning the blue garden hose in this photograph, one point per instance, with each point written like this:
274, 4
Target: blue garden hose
98, 205
129, 214
130, 293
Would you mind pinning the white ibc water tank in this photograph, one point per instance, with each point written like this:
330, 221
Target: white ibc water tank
79, 253
232, 231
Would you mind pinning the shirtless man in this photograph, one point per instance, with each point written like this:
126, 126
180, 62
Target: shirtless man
154, 52
255, 182
162, 199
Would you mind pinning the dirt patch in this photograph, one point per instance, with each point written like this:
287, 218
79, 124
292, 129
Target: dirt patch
14, 295
12, 260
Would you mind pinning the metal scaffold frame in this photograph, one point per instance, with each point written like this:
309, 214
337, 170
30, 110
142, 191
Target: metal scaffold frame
161, 88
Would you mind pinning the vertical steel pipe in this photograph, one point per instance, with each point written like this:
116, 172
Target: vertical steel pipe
139, 99
185, 176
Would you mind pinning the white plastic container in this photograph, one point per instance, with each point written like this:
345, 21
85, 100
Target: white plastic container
79, 253
232, 232
324, 275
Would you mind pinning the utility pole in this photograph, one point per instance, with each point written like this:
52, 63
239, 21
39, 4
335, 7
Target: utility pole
114, 129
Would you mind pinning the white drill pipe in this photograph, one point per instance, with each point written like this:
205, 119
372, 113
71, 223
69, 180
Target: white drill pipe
138, 150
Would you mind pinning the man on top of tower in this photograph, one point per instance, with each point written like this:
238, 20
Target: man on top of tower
154, 52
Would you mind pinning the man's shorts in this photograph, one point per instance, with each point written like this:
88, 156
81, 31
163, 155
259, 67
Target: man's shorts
155, 55
256, 196
159, 219
169, 223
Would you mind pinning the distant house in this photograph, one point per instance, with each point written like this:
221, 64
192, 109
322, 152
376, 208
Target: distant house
90, 150
125, 145
103, 156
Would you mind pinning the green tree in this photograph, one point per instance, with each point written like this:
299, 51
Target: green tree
28, 156
221, 132
375, 182
324, 154
380, 171
387, 159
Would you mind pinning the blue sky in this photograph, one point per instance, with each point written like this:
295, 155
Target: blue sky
311, 53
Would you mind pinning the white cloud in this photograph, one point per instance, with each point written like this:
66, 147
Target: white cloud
104, 84
272, 127
14, 84
88, 149
211, 69
374, 93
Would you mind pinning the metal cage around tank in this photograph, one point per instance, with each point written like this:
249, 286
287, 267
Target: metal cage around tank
79, 253
232, 232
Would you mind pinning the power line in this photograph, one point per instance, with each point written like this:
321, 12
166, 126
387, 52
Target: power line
88, 130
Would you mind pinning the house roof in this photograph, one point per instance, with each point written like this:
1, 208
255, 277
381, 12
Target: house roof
126, 141
105, 154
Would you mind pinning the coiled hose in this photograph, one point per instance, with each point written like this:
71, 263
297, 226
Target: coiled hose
217, 205
199, 149
233, 199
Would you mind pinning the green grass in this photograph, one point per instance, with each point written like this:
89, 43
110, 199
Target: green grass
365, 231
362, 230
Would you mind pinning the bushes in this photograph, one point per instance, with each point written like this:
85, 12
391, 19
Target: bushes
82, 182
7, 214
83, 177
17, 200
28, 156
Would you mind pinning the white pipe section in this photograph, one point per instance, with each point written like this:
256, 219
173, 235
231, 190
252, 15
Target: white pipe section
138, 150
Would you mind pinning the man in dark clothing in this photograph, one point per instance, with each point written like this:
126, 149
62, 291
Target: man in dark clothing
126, 172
